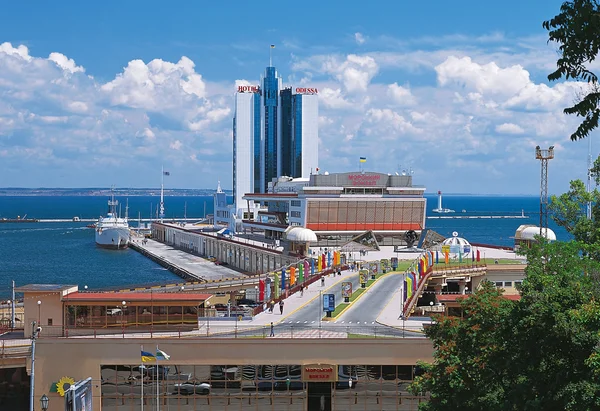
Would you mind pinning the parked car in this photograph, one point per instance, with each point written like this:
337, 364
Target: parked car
192, 387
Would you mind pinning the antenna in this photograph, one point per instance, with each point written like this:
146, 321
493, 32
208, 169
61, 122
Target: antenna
589, 178
271, 55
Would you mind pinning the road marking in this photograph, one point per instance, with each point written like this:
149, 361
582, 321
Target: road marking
312, 322
297, 322
335, 322
372, 322
305, 322
342, 322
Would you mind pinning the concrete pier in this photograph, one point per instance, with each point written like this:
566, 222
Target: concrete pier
244, 254
190, 267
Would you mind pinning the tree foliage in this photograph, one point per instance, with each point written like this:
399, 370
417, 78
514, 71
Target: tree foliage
569, 210
576, 29
539, 353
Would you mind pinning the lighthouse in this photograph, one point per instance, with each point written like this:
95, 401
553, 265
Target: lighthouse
439, 208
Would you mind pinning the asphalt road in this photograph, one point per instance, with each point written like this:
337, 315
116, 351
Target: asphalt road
368, 307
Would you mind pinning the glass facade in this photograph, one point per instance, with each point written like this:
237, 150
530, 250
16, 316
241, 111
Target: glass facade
297, 137
255, 387
270, 99
256, 151
287, 132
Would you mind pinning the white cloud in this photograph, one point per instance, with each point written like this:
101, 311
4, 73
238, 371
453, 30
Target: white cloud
401, 95
359, 38
65, 63
445, 110
509, 128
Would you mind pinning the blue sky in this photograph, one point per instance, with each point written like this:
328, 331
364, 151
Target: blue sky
94, 94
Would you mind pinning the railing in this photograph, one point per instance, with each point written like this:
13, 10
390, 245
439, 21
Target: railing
15, 348
240, 329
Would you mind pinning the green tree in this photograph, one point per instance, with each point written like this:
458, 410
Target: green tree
576, 29
538, 353
569, 210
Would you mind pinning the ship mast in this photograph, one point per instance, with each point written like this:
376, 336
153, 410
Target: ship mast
161, 214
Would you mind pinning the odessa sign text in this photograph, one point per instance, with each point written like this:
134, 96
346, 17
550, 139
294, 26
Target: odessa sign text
304, 90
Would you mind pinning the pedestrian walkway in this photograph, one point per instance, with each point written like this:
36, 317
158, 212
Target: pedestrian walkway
198, 268
314, 333
298, 300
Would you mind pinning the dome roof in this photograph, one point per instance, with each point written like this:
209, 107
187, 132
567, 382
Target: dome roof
456, 240
529, 233
301, 235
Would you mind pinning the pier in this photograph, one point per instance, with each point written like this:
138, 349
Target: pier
188, 266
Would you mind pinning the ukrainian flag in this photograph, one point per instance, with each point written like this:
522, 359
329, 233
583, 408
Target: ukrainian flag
363, 159
148, 357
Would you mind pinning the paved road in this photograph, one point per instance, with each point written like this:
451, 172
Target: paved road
376, 298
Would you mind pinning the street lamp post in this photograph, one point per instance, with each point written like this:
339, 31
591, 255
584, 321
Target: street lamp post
35, 332
431, 311
39, 303
123, 303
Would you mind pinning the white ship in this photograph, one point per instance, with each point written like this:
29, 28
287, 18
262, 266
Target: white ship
441, 209
112, 231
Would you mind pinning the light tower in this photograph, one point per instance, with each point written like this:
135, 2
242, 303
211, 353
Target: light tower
544, 156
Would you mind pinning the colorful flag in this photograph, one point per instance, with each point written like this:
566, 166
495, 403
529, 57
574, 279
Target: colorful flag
437, 257
478, 255
446, 257
148, 357
363, 159
272, 46
161, 355
166, 173
283, 272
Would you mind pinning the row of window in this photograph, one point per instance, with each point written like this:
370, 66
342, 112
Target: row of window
507, 284
296, 203
295, 214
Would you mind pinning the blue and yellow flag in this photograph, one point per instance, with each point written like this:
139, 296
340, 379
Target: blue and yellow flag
148, 357
363, 159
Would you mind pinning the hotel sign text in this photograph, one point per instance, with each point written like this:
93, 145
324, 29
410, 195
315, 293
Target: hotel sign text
248, 89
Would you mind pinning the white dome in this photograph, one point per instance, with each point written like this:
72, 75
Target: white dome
301, 235
529, 233
457, 244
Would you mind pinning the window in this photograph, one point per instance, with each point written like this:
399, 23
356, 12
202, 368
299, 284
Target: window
296, 203
518, 284
295, 214
498, 283
508, 283
49, 321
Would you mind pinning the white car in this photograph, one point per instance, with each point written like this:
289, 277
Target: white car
192, 387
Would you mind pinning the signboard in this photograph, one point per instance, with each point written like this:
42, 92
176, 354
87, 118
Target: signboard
445, 249
328, 302
306, 90
364, 276
347, 289
394, 261
248, 89
319, 373
79, 396
364, 180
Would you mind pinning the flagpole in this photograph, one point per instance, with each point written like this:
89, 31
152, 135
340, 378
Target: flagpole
142, 378
157, 385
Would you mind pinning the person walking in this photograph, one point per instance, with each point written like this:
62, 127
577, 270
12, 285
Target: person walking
281, 307
301, 290
272, 330
271, 306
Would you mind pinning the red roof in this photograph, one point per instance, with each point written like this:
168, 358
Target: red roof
133, 297
447, 298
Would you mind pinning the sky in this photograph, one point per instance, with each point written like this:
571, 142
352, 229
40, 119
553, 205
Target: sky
94, 94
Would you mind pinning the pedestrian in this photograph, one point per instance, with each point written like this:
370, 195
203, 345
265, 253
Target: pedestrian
272, 306
301, 290
339, 271
322, 281
272, 330
281, 307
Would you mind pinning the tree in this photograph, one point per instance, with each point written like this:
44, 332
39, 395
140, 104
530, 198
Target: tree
539, 353
576, 29
569, 211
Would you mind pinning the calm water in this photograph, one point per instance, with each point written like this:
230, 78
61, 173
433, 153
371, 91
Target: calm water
66, 253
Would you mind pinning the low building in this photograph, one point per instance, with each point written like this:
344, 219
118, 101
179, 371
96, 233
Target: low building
526, 233
339, 206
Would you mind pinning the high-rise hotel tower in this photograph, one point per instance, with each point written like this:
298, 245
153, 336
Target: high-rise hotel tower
275, 133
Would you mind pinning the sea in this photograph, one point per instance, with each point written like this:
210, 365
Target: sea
65, 252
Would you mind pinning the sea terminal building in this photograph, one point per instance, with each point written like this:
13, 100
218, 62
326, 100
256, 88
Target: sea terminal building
340, 206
